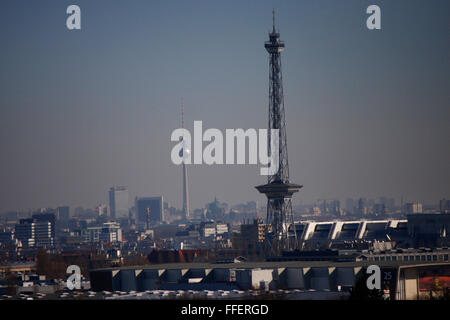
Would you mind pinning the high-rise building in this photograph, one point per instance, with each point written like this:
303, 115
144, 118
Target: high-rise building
44, 218
362, 207
39, 231
24, 232
349, 205
119, 202
63, 214
335, 208
413, 207
149, 210
44, 234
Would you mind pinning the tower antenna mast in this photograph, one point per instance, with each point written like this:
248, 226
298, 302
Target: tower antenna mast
279, 191
185, 153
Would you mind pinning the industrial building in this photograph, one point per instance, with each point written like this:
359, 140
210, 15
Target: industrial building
403, 277
418, 230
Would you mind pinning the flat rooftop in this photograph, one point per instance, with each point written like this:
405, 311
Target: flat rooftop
255, 265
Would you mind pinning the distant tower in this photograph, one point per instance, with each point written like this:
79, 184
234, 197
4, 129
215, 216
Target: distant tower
278, 190
185, 153
119, 202
147, 222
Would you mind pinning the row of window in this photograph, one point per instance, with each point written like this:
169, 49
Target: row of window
412, 258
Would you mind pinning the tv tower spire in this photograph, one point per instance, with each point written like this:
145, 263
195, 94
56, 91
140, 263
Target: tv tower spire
273, 20
278, 190
184, 153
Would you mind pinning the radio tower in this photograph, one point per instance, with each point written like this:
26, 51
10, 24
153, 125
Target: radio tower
278, 190
185, 153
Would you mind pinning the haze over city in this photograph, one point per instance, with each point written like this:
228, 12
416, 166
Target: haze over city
367, 112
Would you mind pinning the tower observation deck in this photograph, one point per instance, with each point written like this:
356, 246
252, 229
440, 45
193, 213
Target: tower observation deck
278, 190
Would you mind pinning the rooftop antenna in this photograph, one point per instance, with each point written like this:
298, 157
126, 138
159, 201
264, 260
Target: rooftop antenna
182, 113
273, 19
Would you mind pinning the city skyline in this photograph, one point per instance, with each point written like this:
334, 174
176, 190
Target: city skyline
107, 195
367, 112
319, 202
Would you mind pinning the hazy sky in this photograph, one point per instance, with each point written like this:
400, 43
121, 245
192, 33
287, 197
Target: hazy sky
367, 111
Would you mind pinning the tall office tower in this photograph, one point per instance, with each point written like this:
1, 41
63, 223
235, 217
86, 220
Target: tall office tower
150, 210
335, 207
119, 202
362, 206
63, 213
185, 153
278, 190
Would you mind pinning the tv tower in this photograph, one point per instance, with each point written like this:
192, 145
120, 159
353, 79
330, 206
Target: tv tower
278, 190
185, 153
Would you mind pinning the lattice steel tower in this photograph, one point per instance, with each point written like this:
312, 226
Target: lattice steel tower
278, 190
